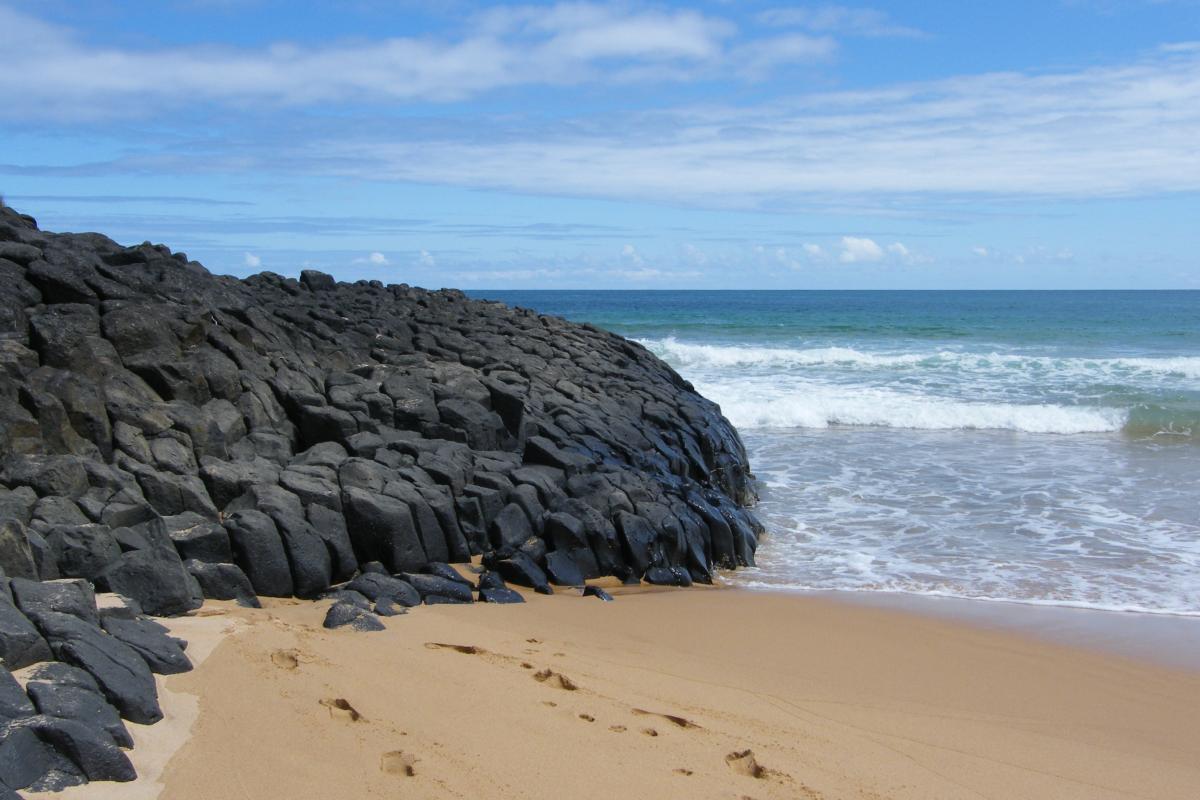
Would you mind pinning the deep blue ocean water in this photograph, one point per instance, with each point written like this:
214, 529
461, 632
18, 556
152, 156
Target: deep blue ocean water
1039, 447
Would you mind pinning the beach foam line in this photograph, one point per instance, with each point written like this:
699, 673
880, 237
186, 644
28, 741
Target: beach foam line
822, 407
698, 356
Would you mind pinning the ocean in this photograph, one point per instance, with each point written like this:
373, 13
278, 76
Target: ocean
1025, 446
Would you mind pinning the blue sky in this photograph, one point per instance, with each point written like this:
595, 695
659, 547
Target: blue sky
1051, 144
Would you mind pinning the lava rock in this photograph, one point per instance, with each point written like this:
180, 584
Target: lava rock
437, 586
162, 653
374, 586
521, 570
84, 706
223, 582
341, 615
597, 592
120, 672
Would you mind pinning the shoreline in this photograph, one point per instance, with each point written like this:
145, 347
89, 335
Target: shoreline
1169, 640
833, 699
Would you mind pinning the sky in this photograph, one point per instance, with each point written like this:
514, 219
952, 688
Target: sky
712, 145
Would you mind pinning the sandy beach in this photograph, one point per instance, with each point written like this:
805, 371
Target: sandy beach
706, 693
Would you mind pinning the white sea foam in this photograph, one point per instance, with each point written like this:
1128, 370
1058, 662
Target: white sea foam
705, 356
789, 404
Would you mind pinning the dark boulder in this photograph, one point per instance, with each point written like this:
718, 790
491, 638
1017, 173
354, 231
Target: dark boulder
342, 615
500, 594
562, 570
121, 673
16, 557
74, 597
258, 550
162, 653
154, 577
523, 571
95, 753
85, 706
436, 585
374, 586
511, 527
668, 576
14, 703
222, 582
20, 642
382, 529
598, 593
28, 762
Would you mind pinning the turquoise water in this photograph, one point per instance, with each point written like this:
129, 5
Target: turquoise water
1037, 447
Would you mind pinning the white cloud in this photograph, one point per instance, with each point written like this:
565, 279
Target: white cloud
252, 261
630, 255
375, 259
426, 259
981, 251
857, 250
566, 44
815, 252
1107, 131
839, 19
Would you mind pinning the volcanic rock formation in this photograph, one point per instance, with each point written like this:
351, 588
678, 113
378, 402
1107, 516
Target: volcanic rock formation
170, 435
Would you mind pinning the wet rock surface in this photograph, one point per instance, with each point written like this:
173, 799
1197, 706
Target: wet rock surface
170, 435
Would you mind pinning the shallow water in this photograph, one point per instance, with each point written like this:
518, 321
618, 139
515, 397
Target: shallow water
1036, 447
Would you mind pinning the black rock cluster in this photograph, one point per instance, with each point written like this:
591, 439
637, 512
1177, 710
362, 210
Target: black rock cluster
170, 435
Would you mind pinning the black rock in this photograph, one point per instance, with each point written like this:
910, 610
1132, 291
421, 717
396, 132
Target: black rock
20, 642
308, 557
491, 580
14, 704
437, 586
16, 558
387, 607
198, 538
341, 615
223, 582
163, 654
511, 527
154, 577
258, 551
74, 597
84, 706
561, 570
374, 586
521, 570
27, 762
92, 751
499, 594
597, 592
446, 571
668, 576
120, 672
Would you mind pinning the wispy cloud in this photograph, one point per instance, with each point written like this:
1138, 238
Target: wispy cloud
839, 19
1113, 130
565, 44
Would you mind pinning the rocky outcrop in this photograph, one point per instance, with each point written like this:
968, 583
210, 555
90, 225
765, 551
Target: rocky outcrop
170, 435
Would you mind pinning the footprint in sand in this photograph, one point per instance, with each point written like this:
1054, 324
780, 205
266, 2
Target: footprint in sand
617, 728
649, 731
743, 763
398, 762
683, 771
466, 649
674, 720
587, 718
286, 659
340, 708
555, 679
